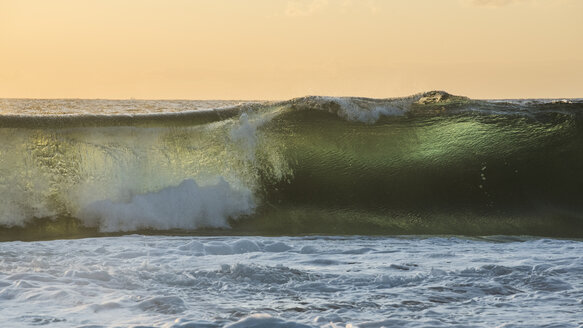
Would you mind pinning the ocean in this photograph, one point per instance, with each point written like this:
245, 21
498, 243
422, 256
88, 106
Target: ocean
432, 210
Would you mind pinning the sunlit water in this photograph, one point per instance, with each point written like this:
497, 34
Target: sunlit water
432, 164
161, 281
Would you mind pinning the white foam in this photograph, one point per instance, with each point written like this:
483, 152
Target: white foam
186, 206
364, 110
245, 134
163, 304
353, 111
237, 282
261, 320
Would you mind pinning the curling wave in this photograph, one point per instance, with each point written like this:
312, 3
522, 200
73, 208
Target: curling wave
431, 163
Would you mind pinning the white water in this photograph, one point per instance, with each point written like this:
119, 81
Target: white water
161, 281
128, 178
186, 206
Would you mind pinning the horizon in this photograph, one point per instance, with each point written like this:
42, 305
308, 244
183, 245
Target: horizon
271, 50
285, 99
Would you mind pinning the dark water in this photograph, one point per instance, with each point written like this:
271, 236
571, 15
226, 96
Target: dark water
426, 164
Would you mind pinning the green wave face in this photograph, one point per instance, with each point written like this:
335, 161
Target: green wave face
461, 174
415, 165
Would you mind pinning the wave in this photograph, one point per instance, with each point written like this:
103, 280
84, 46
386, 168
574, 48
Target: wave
59, 113
431, 163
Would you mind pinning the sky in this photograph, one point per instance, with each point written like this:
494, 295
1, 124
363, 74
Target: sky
279, 49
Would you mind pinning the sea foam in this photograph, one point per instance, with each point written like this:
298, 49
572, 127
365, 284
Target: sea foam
237, 282
186, 206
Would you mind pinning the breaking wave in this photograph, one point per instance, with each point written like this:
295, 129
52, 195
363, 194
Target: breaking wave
431, 163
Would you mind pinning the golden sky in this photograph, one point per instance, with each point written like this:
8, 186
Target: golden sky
277, 49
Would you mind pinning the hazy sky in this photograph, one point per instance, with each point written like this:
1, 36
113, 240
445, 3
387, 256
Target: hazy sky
275, 49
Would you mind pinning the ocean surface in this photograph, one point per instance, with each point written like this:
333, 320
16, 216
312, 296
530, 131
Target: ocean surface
432, 210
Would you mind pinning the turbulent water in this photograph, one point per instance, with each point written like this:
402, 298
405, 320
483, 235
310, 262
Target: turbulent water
180, 193
298, 282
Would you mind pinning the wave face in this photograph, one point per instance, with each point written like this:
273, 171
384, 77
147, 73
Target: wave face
431, 163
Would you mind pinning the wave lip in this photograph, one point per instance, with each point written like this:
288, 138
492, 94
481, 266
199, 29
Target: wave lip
440, 97
59, 113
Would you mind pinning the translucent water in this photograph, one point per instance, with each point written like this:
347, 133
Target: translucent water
301, 171
431, 163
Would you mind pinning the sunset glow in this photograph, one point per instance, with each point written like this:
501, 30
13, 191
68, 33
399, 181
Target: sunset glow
278, 49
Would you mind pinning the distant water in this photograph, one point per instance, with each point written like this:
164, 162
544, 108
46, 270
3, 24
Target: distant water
431, 163
431, 210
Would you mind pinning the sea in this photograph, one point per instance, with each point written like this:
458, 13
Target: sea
432, 210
